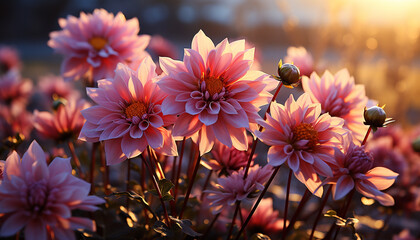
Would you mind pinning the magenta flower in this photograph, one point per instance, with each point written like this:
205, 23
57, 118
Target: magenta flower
9, 60
214, 93
63, 124
128, 116
301, 137
300, 58
15, 92
355, 169
234, 188
227, 159
54, 87
265, 218
340, 97
40, 198
95, 43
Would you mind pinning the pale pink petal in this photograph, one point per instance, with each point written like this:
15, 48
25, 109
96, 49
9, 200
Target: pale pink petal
343, 186
381, 177
113, 152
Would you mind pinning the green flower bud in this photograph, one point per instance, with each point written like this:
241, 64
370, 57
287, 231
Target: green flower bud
289, 74
374, 116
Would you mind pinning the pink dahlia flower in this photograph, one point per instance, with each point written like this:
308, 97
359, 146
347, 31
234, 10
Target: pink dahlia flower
54, 87
95, 43
301, 137
228, 160
9, 60
340, 97
214, 93
15, 92
128, 116
41, 198
355, 169
234, 188
63, 124
265, 219
300, 58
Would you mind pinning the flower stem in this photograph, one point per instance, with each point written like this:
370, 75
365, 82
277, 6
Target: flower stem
190, 185
344, 210
254, 144
156, 185
153, 159
258, 201
178, 172
127, 183
292, 222
233, 219
105, 170
75, 158
242, 222
321, 207
367, 135
92, 167
206, 183
211, 225
286, 201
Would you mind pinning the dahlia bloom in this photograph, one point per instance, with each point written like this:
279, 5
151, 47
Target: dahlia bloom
54, 87
228, 160
63, 124
235, 188
340, 97
265, 219
303, 138
128, 116
301, 58
94, 44
9, 60
15, 92
41, 198
214, 93
355, 169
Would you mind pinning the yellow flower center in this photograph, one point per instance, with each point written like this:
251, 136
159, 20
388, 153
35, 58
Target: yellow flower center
213, 85
136, 109
98, 43
305, 131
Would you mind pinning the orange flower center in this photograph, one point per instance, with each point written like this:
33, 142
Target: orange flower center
306, 131
136, 109
98, 43
213, 85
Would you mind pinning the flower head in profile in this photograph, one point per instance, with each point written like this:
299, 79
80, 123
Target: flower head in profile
226, 160
235, 188
355, 169
302, 138
9, 60
40, 198
214, 92
128, 117
301, 58
94, 44
340, 97
63, 124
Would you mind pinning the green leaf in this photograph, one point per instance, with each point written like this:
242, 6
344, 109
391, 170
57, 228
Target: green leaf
161, 228
260, 236
185, 226
134, 196
165, 186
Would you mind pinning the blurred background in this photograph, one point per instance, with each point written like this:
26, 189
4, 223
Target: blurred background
377, 40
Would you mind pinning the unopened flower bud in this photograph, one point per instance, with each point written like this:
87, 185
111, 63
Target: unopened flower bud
58, 102
374, 116
289, 74
416, 145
